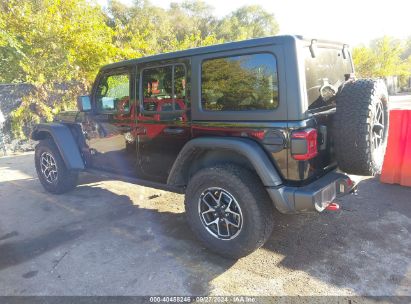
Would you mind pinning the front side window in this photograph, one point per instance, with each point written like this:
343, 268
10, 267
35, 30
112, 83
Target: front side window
113, 93
240, 83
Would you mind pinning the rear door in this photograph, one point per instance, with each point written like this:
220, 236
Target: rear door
163, 120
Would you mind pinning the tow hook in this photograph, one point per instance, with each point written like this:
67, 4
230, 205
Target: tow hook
333, 207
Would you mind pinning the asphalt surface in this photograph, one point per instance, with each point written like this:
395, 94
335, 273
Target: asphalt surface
115, 238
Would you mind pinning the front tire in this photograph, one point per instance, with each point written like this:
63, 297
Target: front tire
51, 169
229, 210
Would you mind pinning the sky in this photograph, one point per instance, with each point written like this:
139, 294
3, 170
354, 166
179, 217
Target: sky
351, 21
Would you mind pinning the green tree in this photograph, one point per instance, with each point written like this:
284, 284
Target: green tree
144, 29
384, 57
247, 22
10, 55
49, 42
52, 42
365, 61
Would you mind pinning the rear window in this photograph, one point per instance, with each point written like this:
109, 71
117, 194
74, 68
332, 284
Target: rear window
240, 83
324, 73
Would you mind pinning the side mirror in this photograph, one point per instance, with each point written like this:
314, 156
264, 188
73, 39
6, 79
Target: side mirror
84, 103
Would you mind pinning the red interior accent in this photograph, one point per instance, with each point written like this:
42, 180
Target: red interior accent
154, 87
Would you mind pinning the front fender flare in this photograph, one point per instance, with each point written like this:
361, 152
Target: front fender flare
245, 147
64, 141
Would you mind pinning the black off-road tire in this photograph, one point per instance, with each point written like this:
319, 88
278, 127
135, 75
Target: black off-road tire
255, 205
66, 180
355, 126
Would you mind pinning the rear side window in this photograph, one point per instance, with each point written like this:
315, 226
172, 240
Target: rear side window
240, 83
164, 88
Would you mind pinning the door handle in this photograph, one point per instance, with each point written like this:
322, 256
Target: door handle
124, 129
174, 131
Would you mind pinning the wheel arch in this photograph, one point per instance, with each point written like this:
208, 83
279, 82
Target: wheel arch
207, 151
64, 140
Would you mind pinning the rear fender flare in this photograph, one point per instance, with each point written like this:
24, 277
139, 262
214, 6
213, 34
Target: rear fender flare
247, 148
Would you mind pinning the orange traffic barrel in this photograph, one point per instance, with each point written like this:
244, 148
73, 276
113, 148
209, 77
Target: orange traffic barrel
397, 161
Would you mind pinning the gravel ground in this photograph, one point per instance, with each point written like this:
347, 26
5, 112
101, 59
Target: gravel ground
115, 238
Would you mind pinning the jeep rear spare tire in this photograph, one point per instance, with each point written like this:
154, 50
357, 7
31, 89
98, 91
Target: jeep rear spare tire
361, 126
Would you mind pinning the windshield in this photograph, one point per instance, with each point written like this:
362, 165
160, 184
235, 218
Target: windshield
324, 74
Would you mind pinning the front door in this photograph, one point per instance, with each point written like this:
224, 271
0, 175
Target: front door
163, 119
108, 129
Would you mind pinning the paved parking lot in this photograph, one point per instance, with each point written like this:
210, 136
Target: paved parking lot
115, 238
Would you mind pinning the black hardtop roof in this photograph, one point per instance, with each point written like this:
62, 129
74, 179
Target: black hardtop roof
281, 39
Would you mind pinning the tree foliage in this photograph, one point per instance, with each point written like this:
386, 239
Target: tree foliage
53, 42
384, 57
246, 22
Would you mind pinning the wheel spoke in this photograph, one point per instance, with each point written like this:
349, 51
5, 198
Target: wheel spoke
44, 162
207, 211
379, 111
378, 126
208, 205
228, 209
212, 222
231, 223
375, 142
226, 227
233, 213
218, 201
229, 204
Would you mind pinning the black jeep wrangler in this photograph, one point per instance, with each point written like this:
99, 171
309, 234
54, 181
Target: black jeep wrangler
241, 128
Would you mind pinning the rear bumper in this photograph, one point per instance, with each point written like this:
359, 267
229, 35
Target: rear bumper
313, 197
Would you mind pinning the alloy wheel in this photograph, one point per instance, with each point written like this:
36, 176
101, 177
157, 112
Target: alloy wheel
378, 127
220, 213
48, 167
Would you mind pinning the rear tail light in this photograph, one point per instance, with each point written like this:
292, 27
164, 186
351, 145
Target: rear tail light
304, 144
